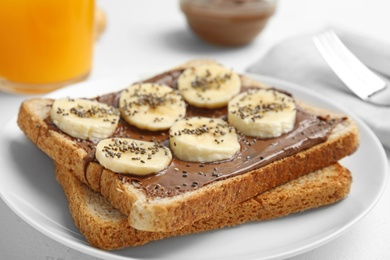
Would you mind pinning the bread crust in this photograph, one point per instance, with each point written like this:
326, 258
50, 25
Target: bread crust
173, 213
106, 228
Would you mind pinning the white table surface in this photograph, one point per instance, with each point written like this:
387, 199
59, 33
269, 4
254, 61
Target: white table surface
145, 35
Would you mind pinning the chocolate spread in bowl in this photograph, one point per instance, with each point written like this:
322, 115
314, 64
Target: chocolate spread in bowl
181, 176
227, 22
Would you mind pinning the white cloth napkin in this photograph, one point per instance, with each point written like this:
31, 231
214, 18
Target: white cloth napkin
298, 61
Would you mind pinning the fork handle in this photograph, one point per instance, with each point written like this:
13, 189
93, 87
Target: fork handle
381, 97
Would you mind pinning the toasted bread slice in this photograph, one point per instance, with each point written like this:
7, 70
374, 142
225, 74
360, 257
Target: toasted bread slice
155, 213
105, 227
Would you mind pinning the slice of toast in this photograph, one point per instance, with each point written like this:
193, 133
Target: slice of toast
156, 213
105, 227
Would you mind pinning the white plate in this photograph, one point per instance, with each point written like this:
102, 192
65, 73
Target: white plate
29, 188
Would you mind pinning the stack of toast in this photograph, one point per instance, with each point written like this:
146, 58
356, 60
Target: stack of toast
267, 177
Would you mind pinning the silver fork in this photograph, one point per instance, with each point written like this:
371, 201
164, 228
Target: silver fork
356, 76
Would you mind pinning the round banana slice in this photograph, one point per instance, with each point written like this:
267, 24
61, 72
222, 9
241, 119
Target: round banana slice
84, 119
208, 86
201, 139
263, 113
130, 156
151, 106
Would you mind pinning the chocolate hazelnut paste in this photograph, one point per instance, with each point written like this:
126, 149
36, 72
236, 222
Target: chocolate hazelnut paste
227, 22
181, 176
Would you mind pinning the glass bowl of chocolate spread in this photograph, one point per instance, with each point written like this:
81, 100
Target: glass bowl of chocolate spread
228, 22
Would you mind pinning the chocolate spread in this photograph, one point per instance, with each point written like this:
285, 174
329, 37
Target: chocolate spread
227, 22
181, 176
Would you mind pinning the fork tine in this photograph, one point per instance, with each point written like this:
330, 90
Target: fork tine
337, 64
350, 59
350, 70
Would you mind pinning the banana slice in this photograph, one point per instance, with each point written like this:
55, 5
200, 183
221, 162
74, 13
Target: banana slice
263, 113
201, 139
129, 156
208, 86
85, 119
151, 106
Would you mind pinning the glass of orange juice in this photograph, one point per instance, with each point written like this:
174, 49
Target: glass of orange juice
45, 44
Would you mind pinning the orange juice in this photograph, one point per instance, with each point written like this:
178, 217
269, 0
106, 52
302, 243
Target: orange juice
45, 44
